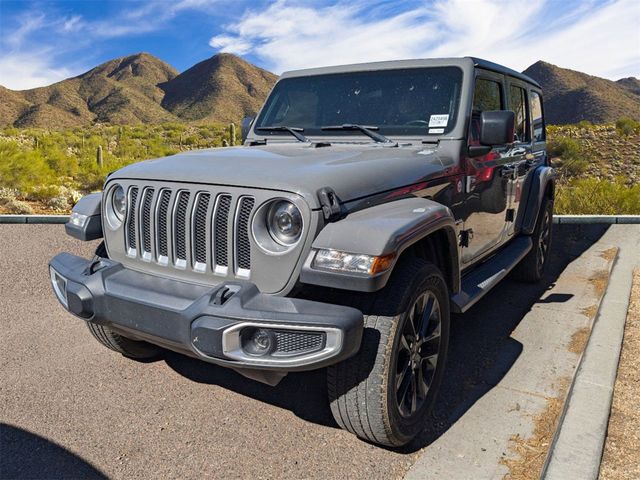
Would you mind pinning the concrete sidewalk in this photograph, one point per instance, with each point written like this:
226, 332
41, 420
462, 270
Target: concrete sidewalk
577, 451
496, 432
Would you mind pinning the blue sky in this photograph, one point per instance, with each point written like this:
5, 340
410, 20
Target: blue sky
45, 41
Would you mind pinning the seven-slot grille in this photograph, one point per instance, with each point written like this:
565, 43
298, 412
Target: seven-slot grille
198, 230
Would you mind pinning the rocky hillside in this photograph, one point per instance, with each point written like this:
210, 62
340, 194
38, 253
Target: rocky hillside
141, 89
605, 153
572, 96
221, 88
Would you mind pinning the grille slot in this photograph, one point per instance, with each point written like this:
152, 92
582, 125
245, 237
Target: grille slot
294, 343
180, 225
131, 220
221, 232
161, 223
243, 245
147, 198
200, 229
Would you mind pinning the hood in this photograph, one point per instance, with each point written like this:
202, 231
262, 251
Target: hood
352, 170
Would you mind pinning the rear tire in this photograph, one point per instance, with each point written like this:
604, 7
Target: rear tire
384, 393
532, 267
114, 341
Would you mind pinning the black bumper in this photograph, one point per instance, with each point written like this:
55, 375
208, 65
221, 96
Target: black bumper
202, 321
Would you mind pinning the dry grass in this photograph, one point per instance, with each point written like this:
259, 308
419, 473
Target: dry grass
621, 459
579, 340
530, 453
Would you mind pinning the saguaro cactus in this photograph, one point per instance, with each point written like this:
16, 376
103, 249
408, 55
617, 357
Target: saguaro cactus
99, 160
232, 134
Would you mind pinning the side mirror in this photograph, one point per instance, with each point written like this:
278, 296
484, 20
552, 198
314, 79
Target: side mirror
245, 126
497, 127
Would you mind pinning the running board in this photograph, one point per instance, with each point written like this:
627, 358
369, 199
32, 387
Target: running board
477, 283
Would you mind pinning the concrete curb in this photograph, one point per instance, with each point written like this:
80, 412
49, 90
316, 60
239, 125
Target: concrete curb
558, 219
576, 450
34, 218
595, 219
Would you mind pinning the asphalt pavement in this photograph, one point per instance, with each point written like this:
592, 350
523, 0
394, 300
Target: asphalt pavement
71, 408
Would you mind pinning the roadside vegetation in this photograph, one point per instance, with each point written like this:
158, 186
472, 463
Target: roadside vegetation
47, 171
598, 167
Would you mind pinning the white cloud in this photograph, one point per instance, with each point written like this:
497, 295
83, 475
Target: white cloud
601, 40
24, 71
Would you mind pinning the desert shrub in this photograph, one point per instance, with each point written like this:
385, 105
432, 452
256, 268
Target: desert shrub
593, 196
15, 207
627, 126
573, 159
59, 203
22, 169
585, 124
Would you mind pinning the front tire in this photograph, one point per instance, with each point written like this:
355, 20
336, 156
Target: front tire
384, 393
114, 341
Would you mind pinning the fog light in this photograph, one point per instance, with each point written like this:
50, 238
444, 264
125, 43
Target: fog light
258, 341
59, 287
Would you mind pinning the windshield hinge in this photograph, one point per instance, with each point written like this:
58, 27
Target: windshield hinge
330, 204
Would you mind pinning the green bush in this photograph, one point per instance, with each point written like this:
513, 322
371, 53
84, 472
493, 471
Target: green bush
627, 126
573, 159
593, 196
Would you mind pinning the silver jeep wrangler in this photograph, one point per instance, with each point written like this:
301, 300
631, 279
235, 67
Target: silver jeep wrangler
367, 203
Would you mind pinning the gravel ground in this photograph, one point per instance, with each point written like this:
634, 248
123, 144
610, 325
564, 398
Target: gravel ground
621, 458
70, 408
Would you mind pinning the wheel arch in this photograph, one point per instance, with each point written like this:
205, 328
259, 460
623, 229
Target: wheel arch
540, 184
410, 226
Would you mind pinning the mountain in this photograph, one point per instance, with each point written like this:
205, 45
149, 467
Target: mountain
222, 88
124, 90
630, 83
572, 96
141, 88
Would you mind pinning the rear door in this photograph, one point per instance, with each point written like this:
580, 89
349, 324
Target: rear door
521, 159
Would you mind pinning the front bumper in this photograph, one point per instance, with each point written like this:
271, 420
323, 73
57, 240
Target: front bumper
204, 321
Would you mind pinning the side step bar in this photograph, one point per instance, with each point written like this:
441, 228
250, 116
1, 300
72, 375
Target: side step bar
483, 278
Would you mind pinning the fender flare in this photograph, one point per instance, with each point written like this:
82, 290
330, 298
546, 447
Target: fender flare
380, 230
89, 206
533, 191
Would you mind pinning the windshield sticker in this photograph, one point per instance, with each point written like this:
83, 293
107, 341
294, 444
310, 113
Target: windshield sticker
436, 130
438, 120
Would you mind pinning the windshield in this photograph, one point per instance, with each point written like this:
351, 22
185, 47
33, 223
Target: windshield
414, 101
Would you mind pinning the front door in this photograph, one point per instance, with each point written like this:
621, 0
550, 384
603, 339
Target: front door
487, 177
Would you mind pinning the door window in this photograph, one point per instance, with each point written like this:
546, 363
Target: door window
537, 119
486, 96
518, 103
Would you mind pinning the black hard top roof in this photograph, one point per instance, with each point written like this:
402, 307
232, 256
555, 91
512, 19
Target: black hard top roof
494, 67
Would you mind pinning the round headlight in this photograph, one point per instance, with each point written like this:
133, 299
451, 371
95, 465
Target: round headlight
119, 202
284, 222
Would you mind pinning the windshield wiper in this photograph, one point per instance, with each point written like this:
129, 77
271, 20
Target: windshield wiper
368, 130
295, 131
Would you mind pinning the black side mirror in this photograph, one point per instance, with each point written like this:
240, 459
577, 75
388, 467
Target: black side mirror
497, 127
245, 126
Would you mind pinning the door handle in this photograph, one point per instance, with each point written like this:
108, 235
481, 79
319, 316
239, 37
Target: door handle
507, 171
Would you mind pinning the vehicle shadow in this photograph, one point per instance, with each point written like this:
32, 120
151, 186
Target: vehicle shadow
25, 455
481, 350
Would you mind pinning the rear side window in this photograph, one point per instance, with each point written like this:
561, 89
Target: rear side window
518, 104
537, 119
487, 95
